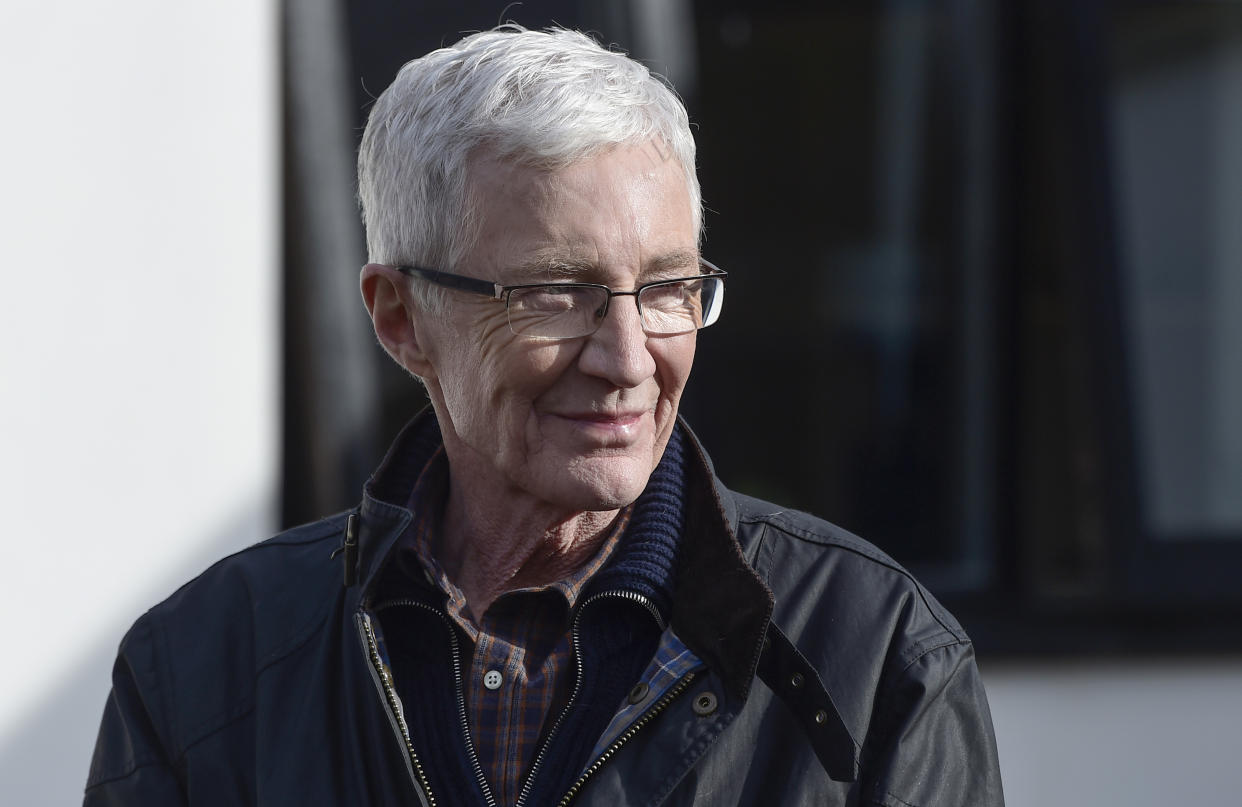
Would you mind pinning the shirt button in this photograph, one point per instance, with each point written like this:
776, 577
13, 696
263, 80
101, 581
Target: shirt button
493, 679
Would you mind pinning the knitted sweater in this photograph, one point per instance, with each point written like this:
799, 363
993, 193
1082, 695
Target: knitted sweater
617, 637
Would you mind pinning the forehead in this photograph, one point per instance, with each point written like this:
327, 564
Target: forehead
624, 212
556, 265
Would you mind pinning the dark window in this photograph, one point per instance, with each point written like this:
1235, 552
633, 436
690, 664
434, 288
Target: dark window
985, 294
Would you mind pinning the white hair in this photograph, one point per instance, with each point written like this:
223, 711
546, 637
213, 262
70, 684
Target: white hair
546, 99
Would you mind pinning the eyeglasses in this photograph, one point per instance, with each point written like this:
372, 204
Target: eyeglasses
570, 310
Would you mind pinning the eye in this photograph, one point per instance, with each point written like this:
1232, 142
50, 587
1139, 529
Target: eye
669, 296
546, 299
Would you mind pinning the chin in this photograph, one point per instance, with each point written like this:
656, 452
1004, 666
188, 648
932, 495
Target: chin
608, 484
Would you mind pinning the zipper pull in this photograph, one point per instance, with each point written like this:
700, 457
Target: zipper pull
350, 550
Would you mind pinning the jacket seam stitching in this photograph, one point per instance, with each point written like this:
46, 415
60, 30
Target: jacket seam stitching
129, 771
920, 653
928, 646
242, 710
291, 645
245, 705
159, 648
763, 555
270, 543
894, 797
821, 539
885, 710
827, 541
857, 546
319, 531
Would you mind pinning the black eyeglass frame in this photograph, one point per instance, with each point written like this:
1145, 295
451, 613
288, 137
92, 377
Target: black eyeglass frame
500, 292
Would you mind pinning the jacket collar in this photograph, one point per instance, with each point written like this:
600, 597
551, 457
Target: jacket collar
383, 515
721, 607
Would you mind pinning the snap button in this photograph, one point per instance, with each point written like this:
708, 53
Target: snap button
821, 717
493, 679
638, 693
796, 680
704, 704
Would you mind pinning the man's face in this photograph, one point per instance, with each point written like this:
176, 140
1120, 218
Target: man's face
576, 423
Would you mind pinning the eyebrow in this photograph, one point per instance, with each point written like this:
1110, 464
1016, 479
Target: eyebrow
553, 268
675, 262
550, 268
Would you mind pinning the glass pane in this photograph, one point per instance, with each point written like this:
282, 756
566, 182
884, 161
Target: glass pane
1178, 130
850, 203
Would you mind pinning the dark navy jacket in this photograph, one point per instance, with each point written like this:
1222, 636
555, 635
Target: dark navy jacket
827, 676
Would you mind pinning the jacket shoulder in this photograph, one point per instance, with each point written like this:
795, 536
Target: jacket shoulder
874, 633
788, 544
834, 590
895, 663
203, 647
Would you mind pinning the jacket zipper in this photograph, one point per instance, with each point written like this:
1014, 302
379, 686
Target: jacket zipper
419, 777
647, 717
634, 596
464, 724
383, 686
574, 641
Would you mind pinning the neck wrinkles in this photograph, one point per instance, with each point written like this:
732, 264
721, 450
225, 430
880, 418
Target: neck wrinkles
488, 549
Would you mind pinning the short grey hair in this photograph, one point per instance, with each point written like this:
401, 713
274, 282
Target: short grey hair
546, 99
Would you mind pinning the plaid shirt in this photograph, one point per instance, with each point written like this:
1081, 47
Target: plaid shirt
522, 655
672, 662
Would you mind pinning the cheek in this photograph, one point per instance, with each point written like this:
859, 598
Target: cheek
513, 378
674, 358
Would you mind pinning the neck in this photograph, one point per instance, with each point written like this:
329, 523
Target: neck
488, 549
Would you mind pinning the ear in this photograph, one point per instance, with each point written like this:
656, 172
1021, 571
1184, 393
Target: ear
397, 319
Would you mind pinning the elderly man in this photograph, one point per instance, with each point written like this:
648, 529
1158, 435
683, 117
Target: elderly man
545, 595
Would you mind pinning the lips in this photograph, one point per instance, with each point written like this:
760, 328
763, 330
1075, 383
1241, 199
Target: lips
605, 428
606, 417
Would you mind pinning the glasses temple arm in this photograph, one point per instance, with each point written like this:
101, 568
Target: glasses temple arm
451, 281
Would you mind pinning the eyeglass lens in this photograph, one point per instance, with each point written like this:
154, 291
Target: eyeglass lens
564, 312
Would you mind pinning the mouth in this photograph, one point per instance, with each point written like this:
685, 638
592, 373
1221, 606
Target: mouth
606, 417
607, 428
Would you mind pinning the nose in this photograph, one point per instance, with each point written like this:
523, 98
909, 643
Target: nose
618, 351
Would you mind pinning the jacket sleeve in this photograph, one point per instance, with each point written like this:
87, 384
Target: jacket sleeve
938, 747
131, 762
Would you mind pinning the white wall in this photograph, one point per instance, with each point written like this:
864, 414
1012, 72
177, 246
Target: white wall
138, 325
1141, 734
